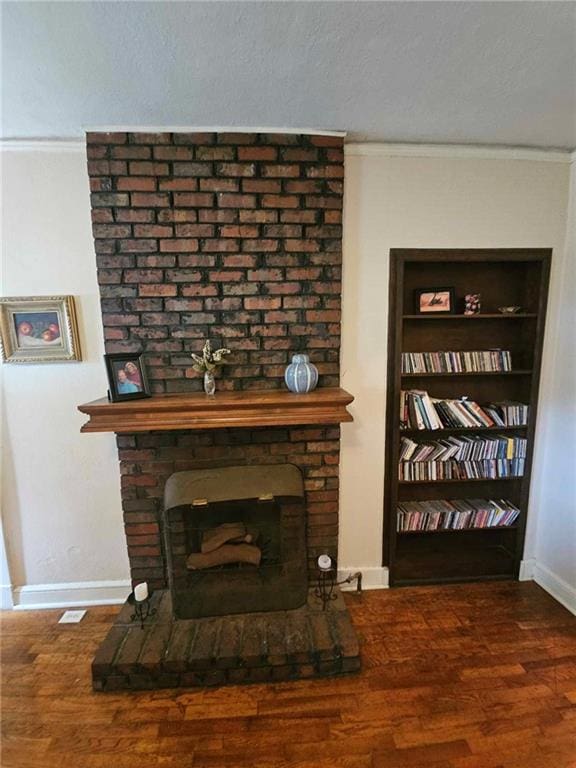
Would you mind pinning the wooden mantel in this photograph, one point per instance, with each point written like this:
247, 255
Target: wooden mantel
253, 408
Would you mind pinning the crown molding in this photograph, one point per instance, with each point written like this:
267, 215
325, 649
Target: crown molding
77, 144
207, 129
42, 145
355, 149
455, 151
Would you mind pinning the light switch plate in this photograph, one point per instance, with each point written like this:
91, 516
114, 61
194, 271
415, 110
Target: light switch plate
71, 617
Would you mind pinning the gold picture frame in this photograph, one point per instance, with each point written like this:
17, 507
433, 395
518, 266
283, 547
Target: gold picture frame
39, 329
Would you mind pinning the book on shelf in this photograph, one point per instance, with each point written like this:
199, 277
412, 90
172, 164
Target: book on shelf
479, 469
455, 514
475, 361
420, 411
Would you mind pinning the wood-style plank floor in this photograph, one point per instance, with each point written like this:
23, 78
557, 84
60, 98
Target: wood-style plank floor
469, 676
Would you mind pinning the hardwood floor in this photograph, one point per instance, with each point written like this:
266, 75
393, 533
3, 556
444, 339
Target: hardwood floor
469, 676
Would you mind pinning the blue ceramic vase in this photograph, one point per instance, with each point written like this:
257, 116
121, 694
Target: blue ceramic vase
301, 375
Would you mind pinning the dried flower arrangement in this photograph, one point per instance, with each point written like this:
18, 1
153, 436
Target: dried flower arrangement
208, 363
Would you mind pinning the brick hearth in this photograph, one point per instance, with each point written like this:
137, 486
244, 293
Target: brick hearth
252, 648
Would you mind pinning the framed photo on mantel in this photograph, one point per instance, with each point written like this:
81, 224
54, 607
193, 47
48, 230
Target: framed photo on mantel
39, 329
126, 377
437, 301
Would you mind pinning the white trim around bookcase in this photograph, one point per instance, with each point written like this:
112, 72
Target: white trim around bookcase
372, 578
70, 594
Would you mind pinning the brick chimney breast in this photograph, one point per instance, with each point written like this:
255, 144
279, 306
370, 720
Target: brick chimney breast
236, 238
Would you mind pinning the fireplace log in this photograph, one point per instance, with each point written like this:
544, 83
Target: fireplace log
222, 534
226, 554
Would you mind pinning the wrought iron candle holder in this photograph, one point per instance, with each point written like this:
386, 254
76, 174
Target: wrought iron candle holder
325, 586
142, 608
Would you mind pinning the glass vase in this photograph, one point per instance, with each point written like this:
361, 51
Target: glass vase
209, 383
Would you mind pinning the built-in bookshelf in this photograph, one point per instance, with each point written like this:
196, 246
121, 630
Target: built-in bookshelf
459, 450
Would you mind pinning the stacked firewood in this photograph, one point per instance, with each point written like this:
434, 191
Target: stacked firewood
226, 544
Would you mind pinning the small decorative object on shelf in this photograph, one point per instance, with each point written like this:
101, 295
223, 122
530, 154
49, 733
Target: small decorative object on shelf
472, 304
140, 599
437, 301
208, 363
509, 310
301, 375
126, 376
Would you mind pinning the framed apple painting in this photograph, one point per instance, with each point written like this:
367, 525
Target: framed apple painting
39, 329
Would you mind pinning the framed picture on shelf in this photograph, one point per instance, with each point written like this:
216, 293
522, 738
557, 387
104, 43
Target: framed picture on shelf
437, 301
126, 376
39, 329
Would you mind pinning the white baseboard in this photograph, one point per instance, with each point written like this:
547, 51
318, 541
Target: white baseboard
5, 597
372, 578
555, 586
70, 595
527, 569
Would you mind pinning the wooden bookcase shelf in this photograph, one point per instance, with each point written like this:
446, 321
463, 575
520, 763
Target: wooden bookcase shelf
476, 374
471, 318
437, 434
458, 531
462, 480
503, 277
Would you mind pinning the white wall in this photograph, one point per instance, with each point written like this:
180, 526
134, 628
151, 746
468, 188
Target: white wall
439, 202
555, 497
61, 503
60, 495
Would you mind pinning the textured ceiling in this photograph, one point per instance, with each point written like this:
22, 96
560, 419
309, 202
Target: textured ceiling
479, 72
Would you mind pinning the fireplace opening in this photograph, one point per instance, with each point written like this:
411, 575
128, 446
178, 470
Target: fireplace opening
235, 540
233, 534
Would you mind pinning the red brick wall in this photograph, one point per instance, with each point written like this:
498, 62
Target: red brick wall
232, 236
236, 238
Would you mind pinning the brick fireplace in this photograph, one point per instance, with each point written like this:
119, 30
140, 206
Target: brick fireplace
236, 238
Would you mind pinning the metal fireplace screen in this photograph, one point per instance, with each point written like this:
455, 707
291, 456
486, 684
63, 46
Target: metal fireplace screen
235, 540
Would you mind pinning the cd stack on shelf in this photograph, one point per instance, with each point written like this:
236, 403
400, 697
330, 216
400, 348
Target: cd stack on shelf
481, 361
455, 515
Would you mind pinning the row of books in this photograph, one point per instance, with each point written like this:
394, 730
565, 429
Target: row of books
509, 414
463, 448
483, 469
479, 361
420, 411
456, 514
